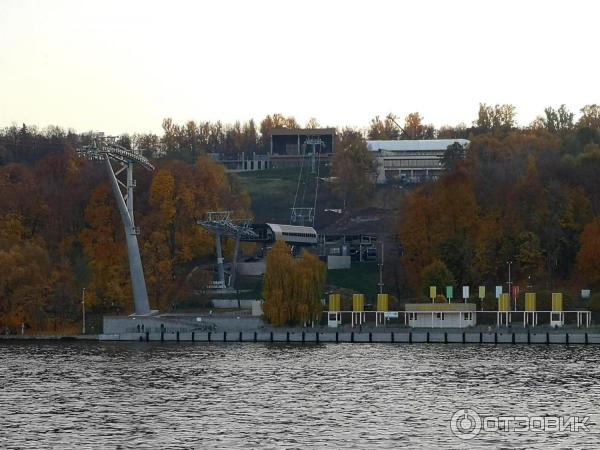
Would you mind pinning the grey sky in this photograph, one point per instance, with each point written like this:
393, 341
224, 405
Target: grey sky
122, 66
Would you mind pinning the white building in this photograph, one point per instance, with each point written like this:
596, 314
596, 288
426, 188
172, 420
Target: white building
411, 161
441, 315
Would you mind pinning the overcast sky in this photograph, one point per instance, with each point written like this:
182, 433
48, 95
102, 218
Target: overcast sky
122, 66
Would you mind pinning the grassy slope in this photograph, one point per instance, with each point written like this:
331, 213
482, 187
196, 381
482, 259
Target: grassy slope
272, 194
361, 277
273, 191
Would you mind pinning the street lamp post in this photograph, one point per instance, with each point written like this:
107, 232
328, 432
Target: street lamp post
83, 312
510, 292
381, 271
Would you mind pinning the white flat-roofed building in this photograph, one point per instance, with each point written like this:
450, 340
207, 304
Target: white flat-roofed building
441, 315
411, 161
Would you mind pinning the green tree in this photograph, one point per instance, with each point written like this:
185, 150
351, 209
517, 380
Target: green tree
530, 256
590, 117
436, 274
558, 120
453, 156
354, 168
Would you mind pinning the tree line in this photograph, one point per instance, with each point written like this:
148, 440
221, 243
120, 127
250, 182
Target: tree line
527, 194
60, 232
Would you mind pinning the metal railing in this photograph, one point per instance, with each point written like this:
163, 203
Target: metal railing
438, 317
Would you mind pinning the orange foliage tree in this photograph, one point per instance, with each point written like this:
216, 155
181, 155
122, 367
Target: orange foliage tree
588, 258
441, 221
104, 246
25, 276
292, 288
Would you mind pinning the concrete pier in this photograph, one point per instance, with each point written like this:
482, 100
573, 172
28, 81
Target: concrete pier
400, 336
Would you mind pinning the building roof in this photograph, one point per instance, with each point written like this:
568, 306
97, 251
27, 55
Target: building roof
439, 307
276, 227
301, 131
414, 145
367, 221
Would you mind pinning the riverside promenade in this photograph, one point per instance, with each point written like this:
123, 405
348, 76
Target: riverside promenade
568, 336
584, 336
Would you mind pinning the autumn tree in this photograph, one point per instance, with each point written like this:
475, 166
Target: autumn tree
441, 222
354, 168
180, 195
588, 258
275, 121
104, 246
312, 123
309, 280
414, 128
495, 118
558, 120
25, 276
385, 129
278, 279
530, 257
590, 117
459, 131
292, 287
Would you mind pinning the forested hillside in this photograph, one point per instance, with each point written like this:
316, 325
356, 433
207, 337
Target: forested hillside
60, 230
530, 195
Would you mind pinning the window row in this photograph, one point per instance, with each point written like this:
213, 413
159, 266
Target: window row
290, 233
412, 163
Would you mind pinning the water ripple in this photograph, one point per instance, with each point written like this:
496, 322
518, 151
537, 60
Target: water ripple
152, 395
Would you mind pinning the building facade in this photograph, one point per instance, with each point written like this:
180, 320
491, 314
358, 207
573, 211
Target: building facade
411, 161
441, 315
290, 147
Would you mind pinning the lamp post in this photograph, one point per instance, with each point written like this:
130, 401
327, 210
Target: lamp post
381, 270
510, 292
83, 312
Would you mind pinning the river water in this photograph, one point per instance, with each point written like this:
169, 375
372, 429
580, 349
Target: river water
152, 395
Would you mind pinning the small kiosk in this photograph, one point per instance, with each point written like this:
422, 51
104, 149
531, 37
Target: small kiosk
557, 316
440, 315
530, 314
383, 305
503, 317
334, 316
358, 309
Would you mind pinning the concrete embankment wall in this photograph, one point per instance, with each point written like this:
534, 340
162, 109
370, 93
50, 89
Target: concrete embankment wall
126, 325
401, 337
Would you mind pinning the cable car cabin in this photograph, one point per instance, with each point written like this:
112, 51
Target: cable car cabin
296, 236
292, 234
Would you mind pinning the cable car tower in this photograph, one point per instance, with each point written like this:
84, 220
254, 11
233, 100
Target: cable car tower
221, 225
107, 149
303, 215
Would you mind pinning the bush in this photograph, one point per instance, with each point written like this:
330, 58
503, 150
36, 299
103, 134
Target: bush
594, 303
